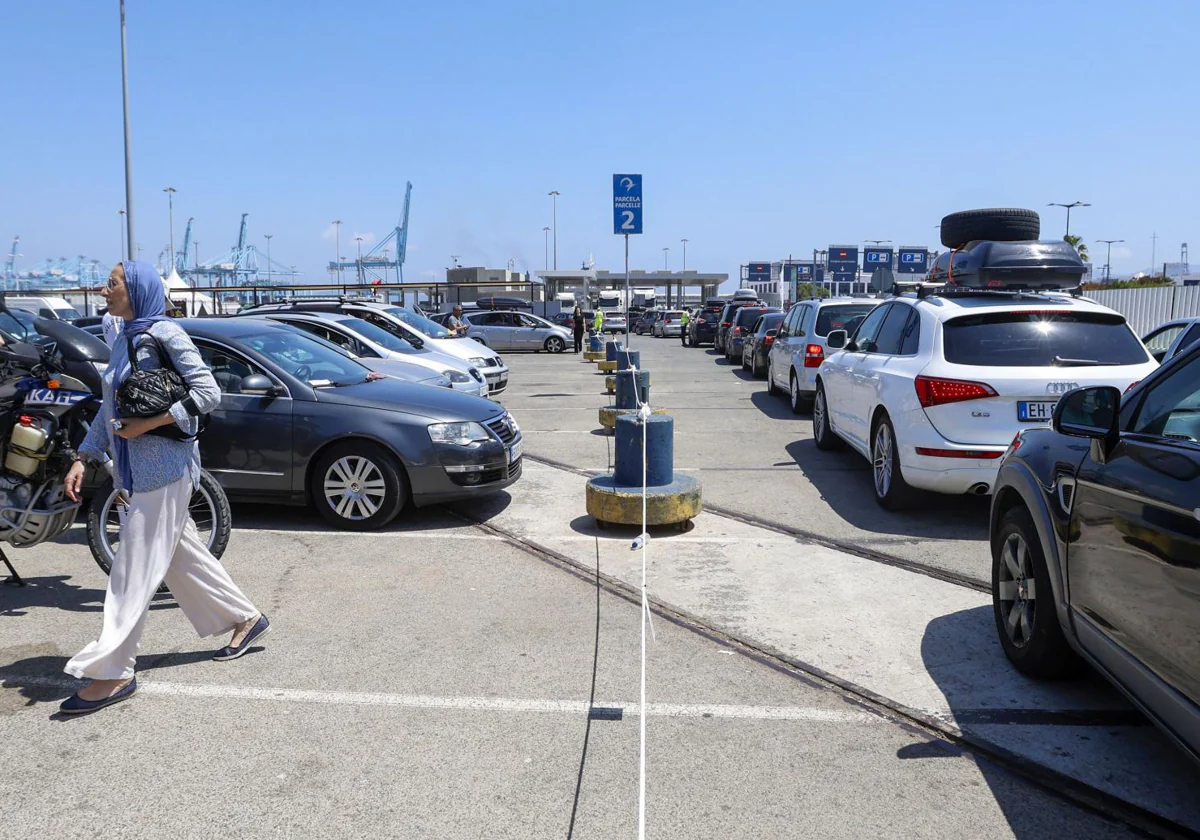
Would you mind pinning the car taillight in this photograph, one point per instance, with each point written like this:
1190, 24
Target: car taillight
814, 354
985, 454
768, 340
1132, 385
932, 391
726, 323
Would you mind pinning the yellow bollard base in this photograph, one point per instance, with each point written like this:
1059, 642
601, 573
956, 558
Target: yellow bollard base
609, 415
610, 384
593, 355
671, 504
607, 367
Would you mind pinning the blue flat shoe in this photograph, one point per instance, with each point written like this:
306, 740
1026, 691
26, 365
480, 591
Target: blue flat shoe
76, 705
260, 629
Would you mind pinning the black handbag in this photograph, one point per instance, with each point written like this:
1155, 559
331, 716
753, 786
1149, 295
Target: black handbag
149, 393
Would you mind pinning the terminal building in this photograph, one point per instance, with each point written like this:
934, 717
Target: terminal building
673, 289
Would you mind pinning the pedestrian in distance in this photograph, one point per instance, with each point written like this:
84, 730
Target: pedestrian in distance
598, 325
156, 469
456, 323
577, 327
684, 319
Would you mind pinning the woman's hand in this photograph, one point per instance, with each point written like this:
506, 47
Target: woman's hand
74, 480
135, 427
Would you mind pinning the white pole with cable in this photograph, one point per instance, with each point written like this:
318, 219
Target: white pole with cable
644, 413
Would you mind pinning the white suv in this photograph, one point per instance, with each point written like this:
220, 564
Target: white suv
932, 389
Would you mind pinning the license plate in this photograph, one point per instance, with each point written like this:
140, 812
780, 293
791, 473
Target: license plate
1036, 410
515, 452
51, 396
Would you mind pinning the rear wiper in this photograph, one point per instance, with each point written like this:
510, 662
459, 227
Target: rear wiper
1061, 362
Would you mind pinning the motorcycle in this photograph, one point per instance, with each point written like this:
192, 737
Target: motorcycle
50, 394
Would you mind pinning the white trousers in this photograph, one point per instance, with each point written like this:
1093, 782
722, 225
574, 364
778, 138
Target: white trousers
159, 542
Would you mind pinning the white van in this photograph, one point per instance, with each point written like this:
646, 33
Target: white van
54, 308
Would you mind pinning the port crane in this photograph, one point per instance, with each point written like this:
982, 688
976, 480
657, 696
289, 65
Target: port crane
374, 265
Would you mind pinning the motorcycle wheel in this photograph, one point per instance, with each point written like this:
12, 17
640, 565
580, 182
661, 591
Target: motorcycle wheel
209, 508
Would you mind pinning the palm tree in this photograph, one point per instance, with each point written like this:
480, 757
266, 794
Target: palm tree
1076, 242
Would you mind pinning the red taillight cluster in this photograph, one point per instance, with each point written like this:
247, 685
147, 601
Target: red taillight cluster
768, 340
932, 391
984, 454
813, 356
726, 323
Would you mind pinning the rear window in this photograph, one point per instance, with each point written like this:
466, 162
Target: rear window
710, 317
770, 321
747, 315
1041, 339
836, 316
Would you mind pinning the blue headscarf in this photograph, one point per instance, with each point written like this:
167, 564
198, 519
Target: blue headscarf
148, 298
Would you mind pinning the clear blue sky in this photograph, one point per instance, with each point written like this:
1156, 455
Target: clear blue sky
762, 129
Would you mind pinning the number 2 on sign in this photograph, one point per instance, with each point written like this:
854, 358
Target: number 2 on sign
627, 224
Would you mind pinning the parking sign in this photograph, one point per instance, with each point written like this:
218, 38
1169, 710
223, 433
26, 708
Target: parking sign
627, 204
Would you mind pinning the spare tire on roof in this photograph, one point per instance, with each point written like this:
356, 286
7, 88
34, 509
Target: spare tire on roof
998, 224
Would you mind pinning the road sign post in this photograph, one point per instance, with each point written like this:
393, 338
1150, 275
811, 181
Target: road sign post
627, 220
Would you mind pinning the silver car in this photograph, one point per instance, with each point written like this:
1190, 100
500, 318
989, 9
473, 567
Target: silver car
516, 331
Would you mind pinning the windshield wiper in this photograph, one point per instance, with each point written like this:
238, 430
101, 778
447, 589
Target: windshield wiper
1061, 362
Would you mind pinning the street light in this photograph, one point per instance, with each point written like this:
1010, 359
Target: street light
666, 257
125, 114
358, 239
337, 227
546, 231
121, 223
170, 191
685, 242
554, 194
268, 236
1108, 259
1068, 207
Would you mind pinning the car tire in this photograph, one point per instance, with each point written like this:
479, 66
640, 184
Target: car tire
824, 436
772, 388
554, 344
800, 403
892, 492
999, 224
209, 501
1029, 629
345, 465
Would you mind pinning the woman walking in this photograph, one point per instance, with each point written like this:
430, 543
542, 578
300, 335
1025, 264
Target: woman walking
577, 326
156, 473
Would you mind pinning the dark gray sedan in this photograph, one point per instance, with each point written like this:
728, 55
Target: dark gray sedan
302, 423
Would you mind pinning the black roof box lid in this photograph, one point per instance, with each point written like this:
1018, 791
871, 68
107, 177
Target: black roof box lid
1044, 265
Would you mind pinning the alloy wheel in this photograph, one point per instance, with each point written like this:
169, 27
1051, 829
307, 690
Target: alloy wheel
202, 507
881, 459
795, 393
354, 487
1017, 590
818, 412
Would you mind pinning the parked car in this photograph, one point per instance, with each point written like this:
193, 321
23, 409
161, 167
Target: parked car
1167, 341
412, 326
741, 322
54, 308
1094, 543
614, 322
725, 321
517, 331
365, 339
931, 389
508, 303
19, 323
799, 347
668, 323
756, 348
300, 423
645, 323
702, 328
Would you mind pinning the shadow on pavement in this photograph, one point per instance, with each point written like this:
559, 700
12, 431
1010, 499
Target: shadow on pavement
586, 525
777, 408
248, 516
53, 592
844, 481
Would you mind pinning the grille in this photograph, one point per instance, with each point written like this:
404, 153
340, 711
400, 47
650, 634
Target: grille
514, 469
501, 430
490, 362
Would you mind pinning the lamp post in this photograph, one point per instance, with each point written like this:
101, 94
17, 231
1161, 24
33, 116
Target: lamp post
170, 191
1108, 258
685, 242
337, 228
128, 155
121, 225
267, 236
554, 194
1068, 208
358, 239
196, 262
546, 231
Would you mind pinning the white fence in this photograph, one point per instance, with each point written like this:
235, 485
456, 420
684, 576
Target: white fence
1145, 309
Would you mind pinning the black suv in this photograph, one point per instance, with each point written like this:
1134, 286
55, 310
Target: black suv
726, 320
1096, 544
702, 327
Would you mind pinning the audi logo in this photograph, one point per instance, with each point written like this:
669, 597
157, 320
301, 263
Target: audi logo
1060, 387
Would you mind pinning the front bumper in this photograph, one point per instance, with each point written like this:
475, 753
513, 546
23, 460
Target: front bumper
466, 472
475, 389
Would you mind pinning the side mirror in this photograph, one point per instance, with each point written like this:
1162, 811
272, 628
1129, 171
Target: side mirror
836, 340
1089, 413
258, 385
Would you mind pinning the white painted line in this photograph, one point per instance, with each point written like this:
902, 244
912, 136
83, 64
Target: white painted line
491, 704
435, 535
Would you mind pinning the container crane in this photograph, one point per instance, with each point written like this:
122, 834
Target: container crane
376, 260
181, 257
239, 266
10, 266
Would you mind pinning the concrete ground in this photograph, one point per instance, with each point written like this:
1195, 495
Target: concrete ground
434, 679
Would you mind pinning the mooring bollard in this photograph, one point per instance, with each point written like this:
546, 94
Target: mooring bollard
630, 386
610, 350
629, 359
595, 343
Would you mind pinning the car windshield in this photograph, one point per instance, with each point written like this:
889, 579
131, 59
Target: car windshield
68, 314
378, 335
292, 328
306, 359
419, 322
836, 317
1041, 339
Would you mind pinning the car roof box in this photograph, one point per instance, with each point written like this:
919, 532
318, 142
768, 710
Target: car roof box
1037, 265
745, 294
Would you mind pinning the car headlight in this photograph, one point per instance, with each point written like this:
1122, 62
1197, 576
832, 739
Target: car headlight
463, 434
478, 361
456, 376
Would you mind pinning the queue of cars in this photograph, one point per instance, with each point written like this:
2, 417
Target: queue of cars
996, 377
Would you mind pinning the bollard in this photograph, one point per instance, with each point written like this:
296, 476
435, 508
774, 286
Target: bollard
610, 350
660, 451
629, 358
632, 386
595, 343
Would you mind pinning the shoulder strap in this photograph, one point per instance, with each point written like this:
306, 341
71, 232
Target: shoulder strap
163, 355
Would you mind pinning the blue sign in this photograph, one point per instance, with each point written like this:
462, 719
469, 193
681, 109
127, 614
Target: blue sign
874, 258
627, 204
758, 272
843, 259
913, 261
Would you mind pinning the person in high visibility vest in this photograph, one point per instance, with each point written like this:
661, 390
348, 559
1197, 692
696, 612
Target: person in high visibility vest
684, 320
599, 325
